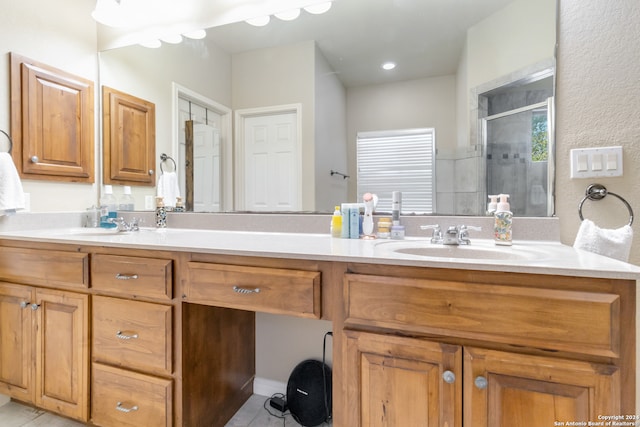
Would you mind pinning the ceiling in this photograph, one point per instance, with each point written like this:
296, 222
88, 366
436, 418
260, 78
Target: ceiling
424, 37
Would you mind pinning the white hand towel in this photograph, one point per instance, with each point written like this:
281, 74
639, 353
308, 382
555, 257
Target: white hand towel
168, 188
11, 192
612, 243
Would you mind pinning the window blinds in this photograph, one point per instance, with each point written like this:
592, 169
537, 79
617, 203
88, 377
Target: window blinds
401, 160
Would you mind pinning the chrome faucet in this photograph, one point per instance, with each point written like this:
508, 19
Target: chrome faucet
453, 236
124, 226
436, 237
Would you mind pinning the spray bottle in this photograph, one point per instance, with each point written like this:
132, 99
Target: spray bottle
503, 219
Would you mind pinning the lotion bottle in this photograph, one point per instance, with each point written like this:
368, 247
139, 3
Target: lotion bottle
161, 213
503, 219
336, 223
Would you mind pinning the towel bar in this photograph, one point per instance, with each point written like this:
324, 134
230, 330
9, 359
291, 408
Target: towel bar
164, 158
10, 140
598, 192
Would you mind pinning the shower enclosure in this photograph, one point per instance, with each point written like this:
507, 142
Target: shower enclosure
519, 157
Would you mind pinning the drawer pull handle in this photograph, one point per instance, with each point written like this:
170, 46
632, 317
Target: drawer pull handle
126, 335
121, 276
121, 408
449, 377
481, 382
240, 290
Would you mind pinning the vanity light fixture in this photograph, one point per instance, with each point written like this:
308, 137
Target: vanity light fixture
107, 12
291, 14
388, 66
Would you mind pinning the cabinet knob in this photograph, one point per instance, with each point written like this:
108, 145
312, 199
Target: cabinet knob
124, 409
480, 382
239, 290
34, 306
449, 377
151, 172
24, 304
34, 159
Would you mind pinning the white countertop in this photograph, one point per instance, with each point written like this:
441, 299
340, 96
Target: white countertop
523, 257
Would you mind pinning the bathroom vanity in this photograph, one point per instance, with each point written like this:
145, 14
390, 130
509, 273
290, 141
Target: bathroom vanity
158, 327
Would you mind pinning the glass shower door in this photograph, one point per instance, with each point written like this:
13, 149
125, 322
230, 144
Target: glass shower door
519, 146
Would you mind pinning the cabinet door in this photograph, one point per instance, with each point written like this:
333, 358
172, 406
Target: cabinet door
62, 355
16, 341
396, 381
503, 389
129, 139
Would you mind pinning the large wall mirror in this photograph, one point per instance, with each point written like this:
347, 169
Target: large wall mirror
480, 74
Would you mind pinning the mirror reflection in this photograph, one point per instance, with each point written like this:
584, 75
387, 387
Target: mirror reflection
258, 118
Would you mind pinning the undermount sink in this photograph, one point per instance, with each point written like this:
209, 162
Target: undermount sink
478, 250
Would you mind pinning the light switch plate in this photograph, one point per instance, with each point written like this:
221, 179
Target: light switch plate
601, 161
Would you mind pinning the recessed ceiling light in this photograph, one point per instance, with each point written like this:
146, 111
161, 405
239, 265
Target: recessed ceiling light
319, 8
196, 35
288, 15
388, 66
260, 21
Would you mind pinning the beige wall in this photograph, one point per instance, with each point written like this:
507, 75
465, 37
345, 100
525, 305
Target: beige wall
281, 76
598, 104
47, 32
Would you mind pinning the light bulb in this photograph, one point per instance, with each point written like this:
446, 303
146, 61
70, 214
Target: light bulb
319, 8
172, 38
288, 15
261, 21
152, 44
196, 35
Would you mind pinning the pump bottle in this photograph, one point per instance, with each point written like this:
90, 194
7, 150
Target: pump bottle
503, 219
336, 223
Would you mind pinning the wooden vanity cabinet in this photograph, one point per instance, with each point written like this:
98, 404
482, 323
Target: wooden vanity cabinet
480, 349
132, 341
44, 334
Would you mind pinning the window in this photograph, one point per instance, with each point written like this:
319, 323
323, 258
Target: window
399, 160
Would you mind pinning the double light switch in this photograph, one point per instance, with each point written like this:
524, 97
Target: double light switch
593, 162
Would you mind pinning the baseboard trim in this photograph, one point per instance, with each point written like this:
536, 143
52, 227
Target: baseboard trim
267, 387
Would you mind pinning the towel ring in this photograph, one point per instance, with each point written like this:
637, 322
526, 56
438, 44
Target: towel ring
598, 192
10, 140
164, 158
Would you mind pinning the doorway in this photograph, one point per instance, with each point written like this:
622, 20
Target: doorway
268, 159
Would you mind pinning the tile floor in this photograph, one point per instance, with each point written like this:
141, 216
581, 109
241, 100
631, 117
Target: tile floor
252, 414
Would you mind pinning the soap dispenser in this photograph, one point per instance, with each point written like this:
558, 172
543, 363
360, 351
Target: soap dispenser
161, 213
493, 205
503, 218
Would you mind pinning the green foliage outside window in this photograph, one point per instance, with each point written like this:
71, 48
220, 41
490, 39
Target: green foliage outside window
540, 138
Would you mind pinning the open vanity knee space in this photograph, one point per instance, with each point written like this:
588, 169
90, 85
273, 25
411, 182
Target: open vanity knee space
163, 333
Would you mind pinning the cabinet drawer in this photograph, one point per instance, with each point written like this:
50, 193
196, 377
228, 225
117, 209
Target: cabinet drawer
271, 290
582, 322
128, 399
132, 334
44, 268
132, 276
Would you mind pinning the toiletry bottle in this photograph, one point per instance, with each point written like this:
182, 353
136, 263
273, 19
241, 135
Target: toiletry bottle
179, 205
108, 208
336, 223
503, 219
354, 221
493, 205
126, 202
396, 202
345, 232
161, 213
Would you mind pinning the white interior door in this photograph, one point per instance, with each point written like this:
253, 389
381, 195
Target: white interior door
271, 177
207, 177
